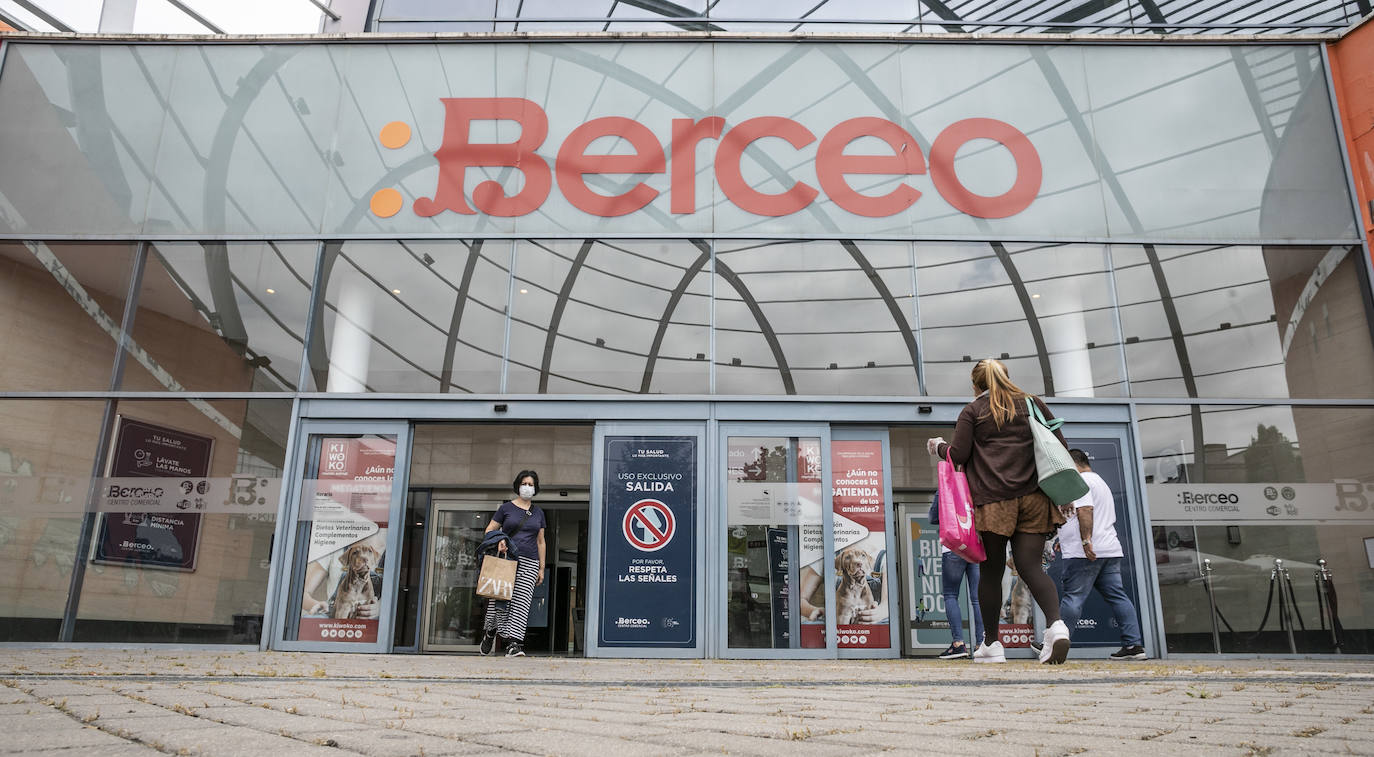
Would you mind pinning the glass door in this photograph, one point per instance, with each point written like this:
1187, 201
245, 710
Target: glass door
453, 611
776, 491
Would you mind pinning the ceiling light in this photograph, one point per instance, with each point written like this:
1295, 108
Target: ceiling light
395, 291
524, 291
270, 290
1035, 297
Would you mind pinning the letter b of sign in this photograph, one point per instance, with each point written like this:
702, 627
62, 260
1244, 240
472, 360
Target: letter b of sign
457, 153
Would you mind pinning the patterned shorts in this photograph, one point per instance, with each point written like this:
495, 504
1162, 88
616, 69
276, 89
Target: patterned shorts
1031, 514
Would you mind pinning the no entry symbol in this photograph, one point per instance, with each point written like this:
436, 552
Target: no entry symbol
649, 525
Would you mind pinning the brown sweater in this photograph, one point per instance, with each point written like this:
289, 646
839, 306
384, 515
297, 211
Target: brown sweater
999, 462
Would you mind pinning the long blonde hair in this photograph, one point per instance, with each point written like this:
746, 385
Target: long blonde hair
990, 376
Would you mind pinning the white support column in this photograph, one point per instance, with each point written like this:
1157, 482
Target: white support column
117, 16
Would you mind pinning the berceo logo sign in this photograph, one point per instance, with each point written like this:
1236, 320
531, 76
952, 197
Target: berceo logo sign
458, 152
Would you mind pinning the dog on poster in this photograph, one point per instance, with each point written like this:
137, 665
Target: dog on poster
356, 589
853, 565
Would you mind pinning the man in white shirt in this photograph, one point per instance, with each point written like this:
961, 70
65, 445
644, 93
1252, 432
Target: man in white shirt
1093, 560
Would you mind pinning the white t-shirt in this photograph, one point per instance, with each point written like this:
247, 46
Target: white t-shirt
1105, 543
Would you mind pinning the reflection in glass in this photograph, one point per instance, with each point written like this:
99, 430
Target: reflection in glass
1244, 321
208, 581
591, 317
817, 317
455, 610
1243, 485
62, 304
413, 316
47, 448
1045, 310
221, 316
776, 597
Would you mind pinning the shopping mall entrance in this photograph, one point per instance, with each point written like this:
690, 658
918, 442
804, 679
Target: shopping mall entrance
669, 534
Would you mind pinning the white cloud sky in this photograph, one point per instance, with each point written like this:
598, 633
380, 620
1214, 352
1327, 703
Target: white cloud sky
161, 17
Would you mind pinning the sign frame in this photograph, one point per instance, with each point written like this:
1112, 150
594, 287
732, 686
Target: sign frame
97, 555
288, 604
597, 548
893, 586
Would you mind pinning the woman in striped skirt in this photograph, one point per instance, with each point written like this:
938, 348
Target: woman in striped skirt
523, 524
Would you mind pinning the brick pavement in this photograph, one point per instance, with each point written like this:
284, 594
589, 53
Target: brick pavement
230, 702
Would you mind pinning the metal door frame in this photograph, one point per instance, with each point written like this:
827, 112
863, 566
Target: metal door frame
281, 603
437, 505
717, 574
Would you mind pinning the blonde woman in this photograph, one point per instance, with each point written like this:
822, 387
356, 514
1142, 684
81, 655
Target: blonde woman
992, 441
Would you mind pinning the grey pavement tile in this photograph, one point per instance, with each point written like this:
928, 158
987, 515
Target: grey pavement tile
124, 749
801, 744
24, 737
263, 719
392, 742
562, 742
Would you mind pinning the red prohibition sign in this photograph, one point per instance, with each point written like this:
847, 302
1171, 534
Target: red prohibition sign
643, 513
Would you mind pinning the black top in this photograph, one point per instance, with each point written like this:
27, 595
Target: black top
526, 540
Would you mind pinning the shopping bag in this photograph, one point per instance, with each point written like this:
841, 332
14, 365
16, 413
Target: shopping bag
1059, 477
497, 578
956, 514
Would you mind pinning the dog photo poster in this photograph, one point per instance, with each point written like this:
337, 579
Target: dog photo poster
349, 510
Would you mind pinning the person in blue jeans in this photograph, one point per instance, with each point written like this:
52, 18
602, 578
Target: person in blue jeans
954, 570
1093, 559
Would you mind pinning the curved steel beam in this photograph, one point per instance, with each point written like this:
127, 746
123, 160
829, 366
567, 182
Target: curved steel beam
733, 279
903, 327
557, 317
1022, 296
673, 299
669, 10
317, 355
461, 301
765, 328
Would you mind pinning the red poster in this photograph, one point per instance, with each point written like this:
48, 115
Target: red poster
860, 507
348, 508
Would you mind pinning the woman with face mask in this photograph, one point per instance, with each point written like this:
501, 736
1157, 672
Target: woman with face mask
523, 524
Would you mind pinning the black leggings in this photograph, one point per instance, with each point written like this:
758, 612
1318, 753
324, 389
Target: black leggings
1026, 551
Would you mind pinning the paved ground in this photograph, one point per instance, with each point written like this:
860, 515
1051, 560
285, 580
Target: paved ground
143, 702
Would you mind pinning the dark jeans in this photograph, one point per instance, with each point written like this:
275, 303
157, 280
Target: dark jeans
954, 570
1104, 574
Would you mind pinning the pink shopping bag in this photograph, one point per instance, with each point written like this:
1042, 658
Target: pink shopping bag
956, 515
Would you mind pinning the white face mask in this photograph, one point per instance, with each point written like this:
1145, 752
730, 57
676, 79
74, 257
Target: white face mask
526, 491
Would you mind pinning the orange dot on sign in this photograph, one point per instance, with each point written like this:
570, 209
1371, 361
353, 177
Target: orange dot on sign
395, 134
386, 203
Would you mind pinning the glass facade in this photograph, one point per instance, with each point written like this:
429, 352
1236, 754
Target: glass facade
248, 229
1265, 482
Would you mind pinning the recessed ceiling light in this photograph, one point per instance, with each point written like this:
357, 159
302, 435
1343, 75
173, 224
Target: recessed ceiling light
270, 290
1035, 297
524, 291
397, 291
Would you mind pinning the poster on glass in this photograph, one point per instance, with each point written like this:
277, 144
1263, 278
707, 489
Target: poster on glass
347, 506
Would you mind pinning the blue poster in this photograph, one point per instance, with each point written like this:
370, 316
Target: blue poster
648, 565
1097, 627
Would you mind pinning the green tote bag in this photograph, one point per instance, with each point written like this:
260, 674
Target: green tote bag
1059, 477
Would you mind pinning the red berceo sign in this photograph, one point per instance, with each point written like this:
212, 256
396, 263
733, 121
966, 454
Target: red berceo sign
458, 152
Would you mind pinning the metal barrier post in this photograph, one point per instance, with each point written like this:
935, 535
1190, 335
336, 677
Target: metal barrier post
1323, 576
1280, 574
1212, 603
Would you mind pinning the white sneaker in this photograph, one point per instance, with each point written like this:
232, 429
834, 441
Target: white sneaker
1056, 645
994, 653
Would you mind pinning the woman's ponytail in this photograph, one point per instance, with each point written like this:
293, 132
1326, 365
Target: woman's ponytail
991, 376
